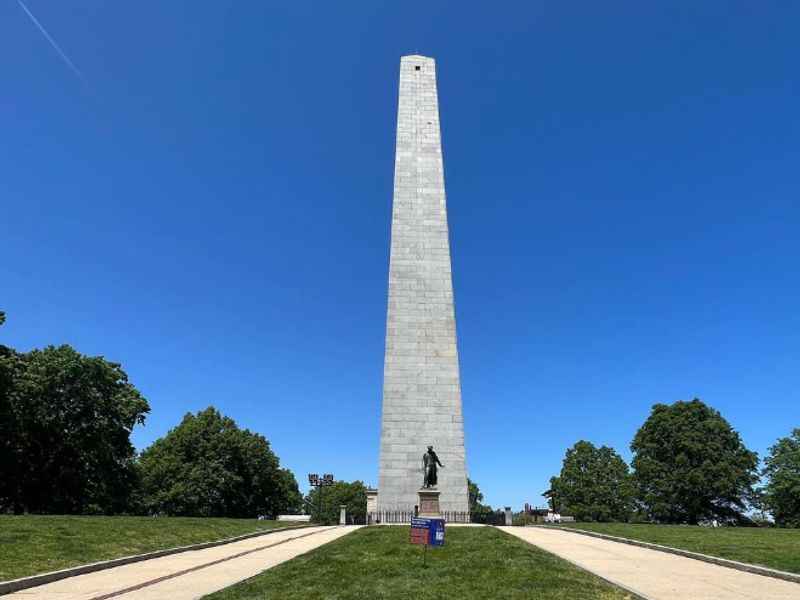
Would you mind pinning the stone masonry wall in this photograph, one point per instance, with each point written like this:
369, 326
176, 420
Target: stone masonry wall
421, 389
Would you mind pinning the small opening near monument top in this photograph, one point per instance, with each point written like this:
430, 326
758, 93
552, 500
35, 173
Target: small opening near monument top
416, 68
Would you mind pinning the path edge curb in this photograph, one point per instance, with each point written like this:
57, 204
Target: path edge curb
23, 583
722, 562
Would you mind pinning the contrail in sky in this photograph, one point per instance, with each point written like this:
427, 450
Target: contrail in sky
61, 53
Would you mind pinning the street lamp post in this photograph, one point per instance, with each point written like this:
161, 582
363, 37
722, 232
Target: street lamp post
320, 482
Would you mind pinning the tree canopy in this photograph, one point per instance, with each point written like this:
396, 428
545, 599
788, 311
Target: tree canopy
65, 424
594, 484
208, 466
9, 366
782, 472
689, 464
354, 495
477, 509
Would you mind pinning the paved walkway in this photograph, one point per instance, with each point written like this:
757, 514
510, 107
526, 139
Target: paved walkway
656, 575
190, 574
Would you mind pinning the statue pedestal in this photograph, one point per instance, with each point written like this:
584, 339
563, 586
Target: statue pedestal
429, 503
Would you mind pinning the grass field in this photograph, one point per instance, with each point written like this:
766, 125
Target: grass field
769, 547
379, 562
34, 544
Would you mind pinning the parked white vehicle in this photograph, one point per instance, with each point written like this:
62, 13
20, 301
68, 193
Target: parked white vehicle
552, 517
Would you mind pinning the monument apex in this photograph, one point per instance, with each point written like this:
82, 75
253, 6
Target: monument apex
421, 381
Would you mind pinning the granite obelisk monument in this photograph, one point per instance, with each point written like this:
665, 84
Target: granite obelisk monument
421, 382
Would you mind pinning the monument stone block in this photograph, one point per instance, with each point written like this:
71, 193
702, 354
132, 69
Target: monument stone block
422, 388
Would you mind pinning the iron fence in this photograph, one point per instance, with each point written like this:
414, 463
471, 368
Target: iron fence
496, 517
389, 517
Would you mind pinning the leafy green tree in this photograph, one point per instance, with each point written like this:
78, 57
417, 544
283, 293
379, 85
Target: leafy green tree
354, 495
782, 472
477, 509
594, 484
208, 466
66, 420
689, 464
757, 503
289, 492
9, 430
553, 499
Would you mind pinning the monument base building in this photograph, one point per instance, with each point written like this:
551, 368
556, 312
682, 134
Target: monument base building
421, 381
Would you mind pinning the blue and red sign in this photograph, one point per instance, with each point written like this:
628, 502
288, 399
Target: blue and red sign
429, 532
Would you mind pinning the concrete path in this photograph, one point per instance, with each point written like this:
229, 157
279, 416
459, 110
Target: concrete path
189, 574
656, 575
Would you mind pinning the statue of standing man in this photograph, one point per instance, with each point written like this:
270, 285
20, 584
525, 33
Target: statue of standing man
429, 467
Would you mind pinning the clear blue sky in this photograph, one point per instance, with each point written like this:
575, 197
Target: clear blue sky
210, 207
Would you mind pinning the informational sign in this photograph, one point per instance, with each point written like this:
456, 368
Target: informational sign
437, 532
428, 532
420, 531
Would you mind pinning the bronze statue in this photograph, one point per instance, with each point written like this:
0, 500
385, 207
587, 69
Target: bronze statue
429, 462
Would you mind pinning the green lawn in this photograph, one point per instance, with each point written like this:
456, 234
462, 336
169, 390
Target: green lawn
769, 547
34, 544
380, 563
